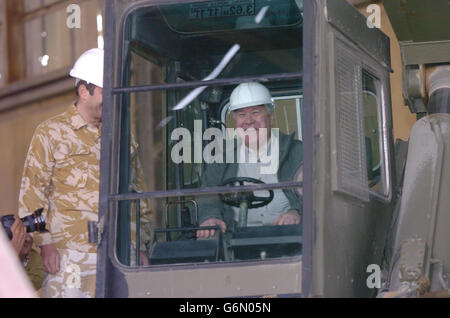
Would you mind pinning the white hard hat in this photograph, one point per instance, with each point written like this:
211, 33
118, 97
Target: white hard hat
250, 94
89, 67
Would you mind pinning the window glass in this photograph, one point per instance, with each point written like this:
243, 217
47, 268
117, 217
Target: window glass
47, 2
372, 130
226, 15
56, 41
194, 55
172, 148
34, 40
30, 5
51, 43
48, 43
91, 32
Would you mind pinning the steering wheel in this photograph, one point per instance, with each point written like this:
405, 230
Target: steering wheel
235, 199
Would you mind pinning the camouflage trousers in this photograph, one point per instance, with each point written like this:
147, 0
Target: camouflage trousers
76, 278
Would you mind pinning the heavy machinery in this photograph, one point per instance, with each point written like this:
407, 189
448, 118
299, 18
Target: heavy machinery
171, 65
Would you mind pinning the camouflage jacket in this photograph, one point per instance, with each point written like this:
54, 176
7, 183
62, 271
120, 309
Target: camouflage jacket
61, 175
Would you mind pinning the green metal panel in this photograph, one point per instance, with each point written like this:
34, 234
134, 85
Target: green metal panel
419, 20
426, 52
353, 24
422, 29
424, 204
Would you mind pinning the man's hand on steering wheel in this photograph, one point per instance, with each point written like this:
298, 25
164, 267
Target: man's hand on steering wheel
211, 222
287, 218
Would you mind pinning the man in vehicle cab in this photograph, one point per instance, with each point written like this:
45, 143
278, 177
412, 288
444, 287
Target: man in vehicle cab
252, 109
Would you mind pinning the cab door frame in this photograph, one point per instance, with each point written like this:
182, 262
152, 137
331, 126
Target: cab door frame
309, 31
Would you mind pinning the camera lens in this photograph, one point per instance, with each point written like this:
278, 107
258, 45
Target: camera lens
33, 222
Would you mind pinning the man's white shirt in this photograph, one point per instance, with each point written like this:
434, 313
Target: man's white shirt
265, 215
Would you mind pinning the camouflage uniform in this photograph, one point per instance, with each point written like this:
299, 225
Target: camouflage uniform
61, 175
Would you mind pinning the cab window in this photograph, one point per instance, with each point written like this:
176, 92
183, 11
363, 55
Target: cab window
371, 128
172, 132
372, 104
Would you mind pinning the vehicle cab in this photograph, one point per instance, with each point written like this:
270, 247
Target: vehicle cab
170, 68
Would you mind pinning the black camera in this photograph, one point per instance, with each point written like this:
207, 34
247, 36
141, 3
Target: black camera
33, 222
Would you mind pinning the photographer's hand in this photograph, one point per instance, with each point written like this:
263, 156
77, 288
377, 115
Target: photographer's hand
51, 258
19, 232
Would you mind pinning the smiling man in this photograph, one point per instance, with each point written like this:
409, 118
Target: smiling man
252, 108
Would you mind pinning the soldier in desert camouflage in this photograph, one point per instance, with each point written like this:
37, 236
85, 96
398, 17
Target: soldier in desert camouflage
61, 175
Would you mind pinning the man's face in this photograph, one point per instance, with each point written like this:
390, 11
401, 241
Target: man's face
94, 104
255, 117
